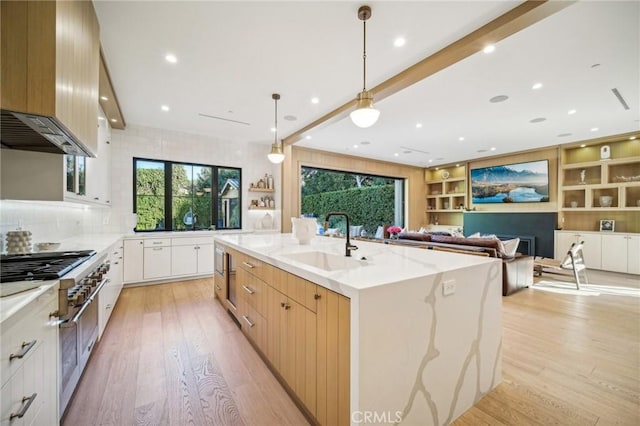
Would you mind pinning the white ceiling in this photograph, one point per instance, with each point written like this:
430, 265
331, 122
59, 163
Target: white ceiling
233, 55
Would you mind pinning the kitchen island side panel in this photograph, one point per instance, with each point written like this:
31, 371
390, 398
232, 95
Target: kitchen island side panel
425, 358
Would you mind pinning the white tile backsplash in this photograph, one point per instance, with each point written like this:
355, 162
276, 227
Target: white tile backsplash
54, 221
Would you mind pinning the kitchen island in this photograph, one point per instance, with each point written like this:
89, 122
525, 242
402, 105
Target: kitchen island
424, 326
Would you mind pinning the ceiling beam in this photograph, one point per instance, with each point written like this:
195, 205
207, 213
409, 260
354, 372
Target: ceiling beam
518, 18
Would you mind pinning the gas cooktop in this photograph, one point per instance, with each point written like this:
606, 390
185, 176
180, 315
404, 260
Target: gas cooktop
41, 266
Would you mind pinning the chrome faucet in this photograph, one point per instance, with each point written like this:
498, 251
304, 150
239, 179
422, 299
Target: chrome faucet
349, 247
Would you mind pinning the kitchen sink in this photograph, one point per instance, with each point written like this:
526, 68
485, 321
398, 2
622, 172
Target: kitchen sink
326, 261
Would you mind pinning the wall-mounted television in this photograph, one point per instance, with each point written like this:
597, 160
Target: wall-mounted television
511, 183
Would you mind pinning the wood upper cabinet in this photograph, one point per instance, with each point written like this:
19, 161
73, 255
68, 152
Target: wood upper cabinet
50, 60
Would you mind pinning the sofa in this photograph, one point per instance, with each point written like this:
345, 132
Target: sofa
517, 270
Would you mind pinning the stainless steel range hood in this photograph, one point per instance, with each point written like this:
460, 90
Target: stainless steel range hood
32, 132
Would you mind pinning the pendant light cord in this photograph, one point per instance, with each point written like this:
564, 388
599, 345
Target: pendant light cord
364, 57
275, 138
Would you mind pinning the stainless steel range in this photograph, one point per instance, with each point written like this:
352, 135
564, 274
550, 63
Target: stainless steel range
82, 276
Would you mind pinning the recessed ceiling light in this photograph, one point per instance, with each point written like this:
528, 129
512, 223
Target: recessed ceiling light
308, 137
563, 135
273, 129
594, 129
537, 120
395, 154
101, 118
355, 146
418, 125
315, 100
113, 120
499, 98
171, 58
399, 42
489, 48
632, 138
493, 148
290, 117
583, 145
104, 98
164, 108
437, 168
458, 165
461, 138
536, 86
430, 161
571, 111
365, 143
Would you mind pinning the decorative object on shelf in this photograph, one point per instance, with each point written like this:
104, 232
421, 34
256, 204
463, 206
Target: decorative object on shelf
260, 184
627, 179
446, 205
269, 181
583, 175
445, 175
574, 204
607, 225
365, 115
276, 156
393, 232
435, 192
605, 200
18, 242
605, 152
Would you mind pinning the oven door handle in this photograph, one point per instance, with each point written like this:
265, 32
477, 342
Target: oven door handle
72, 322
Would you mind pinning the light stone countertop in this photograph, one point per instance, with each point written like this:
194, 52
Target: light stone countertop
384, 264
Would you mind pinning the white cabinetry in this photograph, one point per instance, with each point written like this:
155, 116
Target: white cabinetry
133, 261
592, 249
99, 169
612, 251
111, 291
157, 258
622, 253
29, 365
148, 259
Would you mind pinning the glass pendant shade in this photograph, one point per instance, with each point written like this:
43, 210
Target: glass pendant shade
365, 115
276, 156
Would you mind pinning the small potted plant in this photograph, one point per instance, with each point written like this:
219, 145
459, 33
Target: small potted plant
394, 231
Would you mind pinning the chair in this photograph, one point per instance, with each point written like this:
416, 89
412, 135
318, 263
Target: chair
574, 261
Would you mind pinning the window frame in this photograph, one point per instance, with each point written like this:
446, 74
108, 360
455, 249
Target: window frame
168, 195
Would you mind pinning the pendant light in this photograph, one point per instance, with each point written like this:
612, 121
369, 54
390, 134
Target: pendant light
276, 156
365, 115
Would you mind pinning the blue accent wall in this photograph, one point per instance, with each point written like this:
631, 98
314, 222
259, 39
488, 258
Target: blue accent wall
538, 225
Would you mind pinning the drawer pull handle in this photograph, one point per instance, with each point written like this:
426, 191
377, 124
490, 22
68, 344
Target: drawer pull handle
247, 289
247, 320
218, 287
108, 306
157, 248
248, 265
26, 347
316, 296
25, 407
157, 242
286, 306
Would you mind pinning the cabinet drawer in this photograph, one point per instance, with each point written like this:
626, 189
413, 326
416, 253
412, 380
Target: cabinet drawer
191, 241
253, 290
255, 327
260, 269
157, 242
29, 326
220, 288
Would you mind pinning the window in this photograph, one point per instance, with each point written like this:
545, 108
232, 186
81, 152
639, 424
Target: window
370, 201
170, 196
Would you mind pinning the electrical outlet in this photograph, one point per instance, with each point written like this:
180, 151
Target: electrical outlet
448, 287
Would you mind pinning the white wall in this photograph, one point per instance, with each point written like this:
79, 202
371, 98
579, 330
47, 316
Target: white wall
158, 144
55, 221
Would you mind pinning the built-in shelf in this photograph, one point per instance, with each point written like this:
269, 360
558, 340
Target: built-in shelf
446, 193
261, 208
262, 190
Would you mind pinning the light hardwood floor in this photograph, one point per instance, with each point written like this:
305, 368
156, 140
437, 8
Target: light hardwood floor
172, 356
